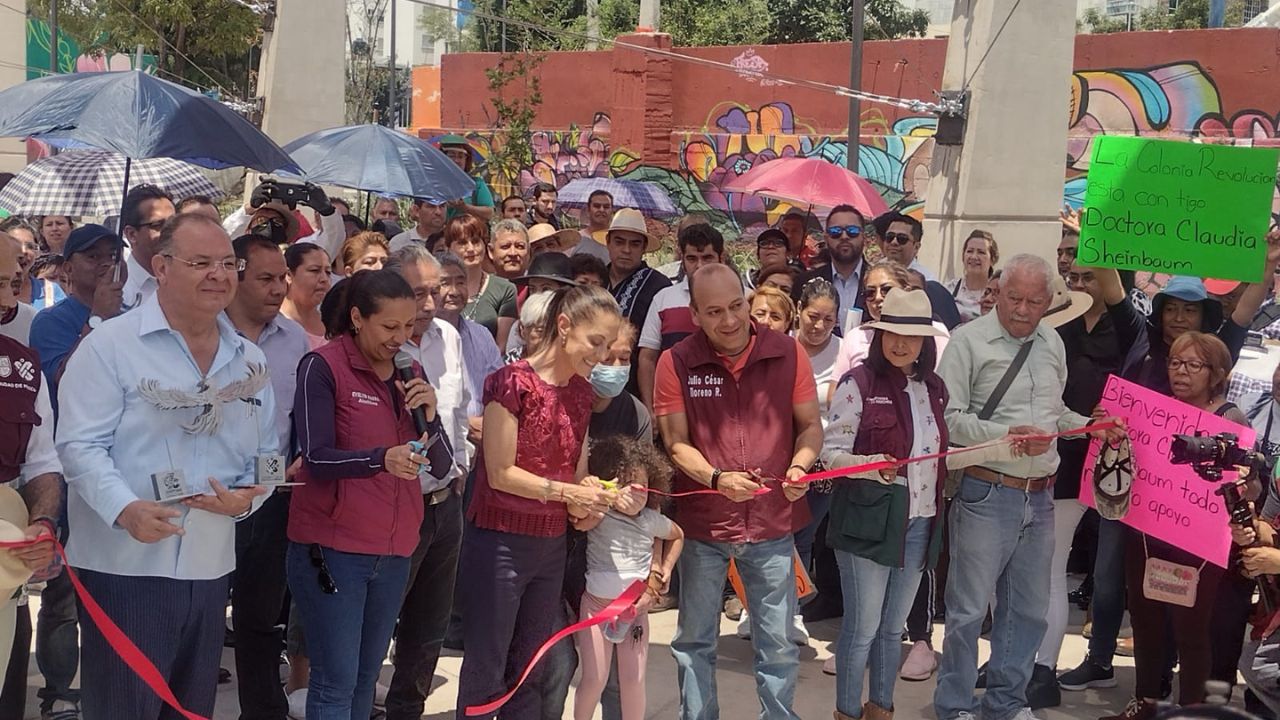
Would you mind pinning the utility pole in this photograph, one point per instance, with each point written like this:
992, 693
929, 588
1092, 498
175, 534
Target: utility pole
593, 25
53, 36
855, 83
391, 69
650, 13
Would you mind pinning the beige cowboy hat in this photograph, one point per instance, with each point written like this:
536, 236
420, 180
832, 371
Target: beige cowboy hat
907, 312
630, 220
567, 237
1066, 305
13, 524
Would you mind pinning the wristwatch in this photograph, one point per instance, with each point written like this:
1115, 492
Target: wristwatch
95, 321
715, 478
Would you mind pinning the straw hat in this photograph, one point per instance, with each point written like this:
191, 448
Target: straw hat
568, 237
1067, 305
906, 312
631, 220
13, 524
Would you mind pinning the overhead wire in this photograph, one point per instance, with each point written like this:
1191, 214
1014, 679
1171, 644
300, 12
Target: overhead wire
914, 105
180, 54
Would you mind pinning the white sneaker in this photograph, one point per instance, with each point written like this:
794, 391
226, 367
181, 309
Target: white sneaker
744, 626
1024, 714
798, 633
829, 666
298, 704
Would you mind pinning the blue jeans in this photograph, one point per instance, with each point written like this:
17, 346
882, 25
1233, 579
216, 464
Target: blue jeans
819, 506
877, 600
768, 577
1001, 540
349, 631
1108, 591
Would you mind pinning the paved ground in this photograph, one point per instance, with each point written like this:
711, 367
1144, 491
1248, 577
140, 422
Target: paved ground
815, 697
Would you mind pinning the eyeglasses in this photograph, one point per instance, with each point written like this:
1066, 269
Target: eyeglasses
227, 265
771, 242
153, 226
327, 585
835, 231
897, 238
871, 291
1191, 366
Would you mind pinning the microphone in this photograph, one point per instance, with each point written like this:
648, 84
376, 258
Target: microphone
404, 371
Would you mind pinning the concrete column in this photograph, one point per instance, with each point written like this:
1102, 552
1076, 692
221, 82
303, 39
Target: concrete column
13, 51
642, 99
302, 76
1007, 177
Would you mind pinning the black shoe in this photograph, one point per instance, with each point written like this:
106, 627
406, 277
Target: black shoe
982, 677
1088, 674
224, 676
1166, 686
1043, 691
821, 608
1082, 595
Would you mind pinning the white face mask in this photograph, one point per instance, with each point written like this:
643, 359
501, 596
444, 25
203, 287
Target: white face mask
610, 380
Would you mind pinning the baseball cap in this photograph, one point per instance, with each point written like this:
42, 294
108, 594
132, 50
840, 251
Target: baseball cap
771, 233
83, 238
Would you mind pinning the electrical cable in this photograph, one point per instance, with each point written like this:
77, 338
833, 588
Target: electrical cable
991, 45
180, 54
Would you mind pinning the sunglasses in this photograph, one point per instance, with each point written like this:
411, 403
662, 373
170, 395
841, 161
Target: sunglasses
327, 585
897, 238
771, 242
872, 291
835, 231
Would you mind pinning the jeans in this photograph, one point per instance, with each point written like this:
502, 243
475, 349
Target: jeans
424, 615
1001, 540
768, 576
877, 600
257, 597
1260, 665
58, 637
347, 632
1108, 591
13, 698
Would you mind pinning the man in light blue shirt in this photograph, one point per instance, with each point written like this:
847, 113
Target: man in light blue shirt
165, 399
258, 588
1002, 515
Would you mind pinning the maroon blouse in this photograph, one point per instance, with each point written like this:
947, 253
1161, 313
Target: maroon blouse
552, 422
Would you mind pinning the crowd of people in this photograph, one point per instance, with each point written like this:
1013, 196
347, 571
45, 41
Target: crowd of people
465, 433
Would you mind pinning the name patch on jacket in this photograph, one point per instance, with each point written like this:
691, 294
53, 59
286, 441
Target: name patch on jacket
22, 367
878, 400
365, 399
705, 386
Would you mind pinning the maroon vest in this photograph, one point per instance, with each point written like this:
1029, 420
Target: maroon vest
886, 416
378, 515
19, 385
742, 424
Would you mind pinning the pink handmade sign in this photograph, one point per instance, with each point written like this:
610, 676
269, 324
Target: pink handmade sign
1168, 501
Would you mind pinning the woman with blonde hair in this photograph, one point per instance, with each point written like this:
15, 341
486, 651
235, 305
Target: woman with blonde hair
363, 251
773, 309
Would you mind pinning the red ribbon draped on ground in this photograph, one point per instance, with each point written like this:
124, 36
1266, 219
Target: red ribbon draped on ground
622, 606
115, 637
878, 465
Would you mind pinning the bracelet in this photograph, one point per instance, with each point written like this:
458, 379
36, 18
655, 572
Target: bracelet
546, 491
715, 478
244, 514
800, 467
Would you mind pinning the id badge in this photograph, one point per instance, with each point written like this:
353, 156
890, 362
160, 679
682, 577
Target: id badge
170, 485
268, 469
1169, 582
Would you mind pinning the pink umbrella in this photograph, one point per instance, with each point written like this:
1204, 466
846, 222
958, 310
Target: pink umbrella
810, 182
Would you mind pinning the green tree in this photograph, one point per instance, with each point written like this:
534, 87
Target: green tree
201, 41
1094, 22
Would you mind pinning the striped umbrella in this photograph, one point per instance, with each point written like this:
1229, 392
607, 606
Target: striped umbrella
648, 198
91, 182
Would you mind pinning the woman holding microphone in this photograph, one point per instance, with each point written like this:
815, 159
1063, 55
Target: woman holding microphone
531, 474
354, 521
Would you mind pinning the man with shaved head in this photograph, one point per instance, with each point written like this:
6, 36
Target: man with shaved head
728, 429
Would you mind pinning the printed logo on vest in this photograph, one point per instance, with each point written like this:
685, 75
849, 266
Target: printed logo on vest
878, 400
6, 366
705, 386
365, 399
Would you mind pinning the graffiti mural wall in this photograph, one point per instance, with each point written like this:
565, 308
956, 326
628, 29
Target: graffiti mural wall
1178, 100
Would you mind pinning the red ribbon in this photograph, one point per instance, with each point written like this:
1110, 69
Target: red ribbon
877, 465
115, 637
622, 607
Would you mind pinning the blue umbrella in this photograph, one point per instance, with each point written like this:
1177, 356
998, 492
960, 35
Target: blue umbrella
377, 159
648, 198
138, 116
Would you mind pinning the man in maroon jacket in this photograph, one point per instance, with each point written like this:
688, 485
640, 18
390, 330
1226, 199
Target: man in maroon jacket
727, 428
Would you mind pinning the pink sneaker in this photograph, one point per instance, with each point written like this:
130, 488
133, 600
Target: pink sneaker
920, 663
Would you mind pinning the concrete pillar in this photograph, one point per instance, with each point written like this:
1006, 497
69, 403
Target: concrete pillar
1007, 177
13, 53
642, 99
302, 76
